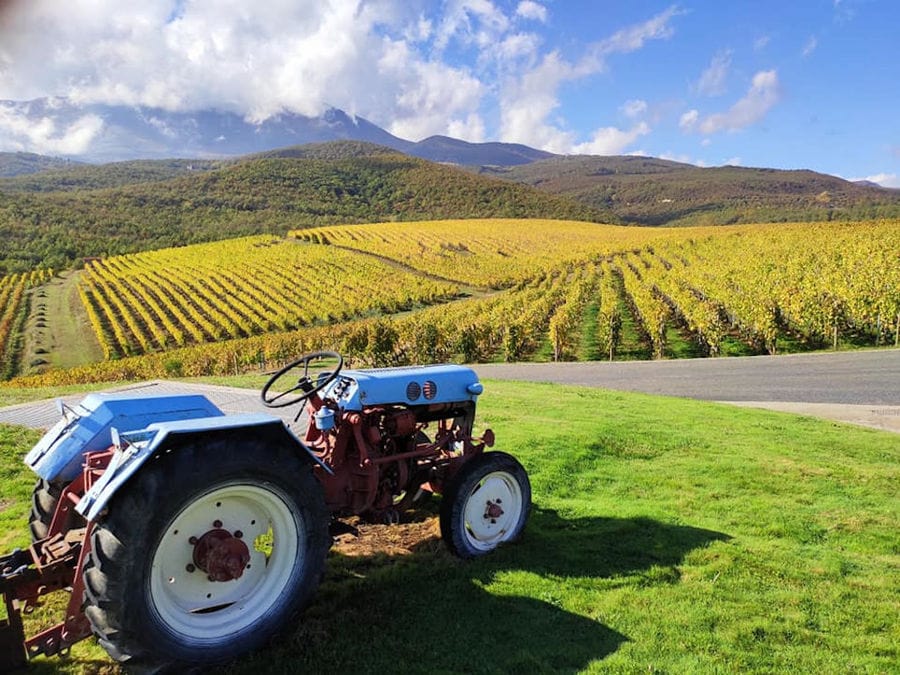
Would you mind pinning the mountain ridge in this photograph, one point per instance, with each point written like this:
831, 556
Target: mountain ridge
653, 191
122, 133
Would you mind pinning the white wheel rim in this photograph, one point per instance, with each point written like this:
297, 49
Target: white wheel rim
483, 531
199, 609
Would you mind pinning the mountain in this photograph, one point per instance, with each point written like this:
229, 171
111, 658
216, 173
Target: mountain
642, 190
455, 151
100, 133
118, 133
650, 191
56, 218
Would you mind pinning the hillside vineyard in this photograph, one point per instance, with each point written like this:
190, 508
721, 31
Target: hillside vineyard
480, 290
13, 314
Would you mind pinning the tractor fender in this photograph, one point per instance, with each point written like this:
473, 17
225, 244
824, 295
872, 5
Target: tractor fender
136, 447
86, 427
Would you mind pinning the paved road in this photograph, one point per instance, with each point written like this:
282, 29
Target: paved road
861, 378
857, 387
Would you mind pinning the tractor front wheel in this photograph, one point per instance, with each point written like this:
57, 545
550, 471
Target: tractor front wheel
486, 504
211, 550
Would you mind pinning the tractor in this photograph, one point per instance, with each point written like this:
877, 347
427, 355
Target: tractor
186, 537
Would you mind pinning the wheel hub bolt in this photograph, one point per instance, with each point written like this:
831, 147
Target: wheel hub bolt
217, 523
190, 568
238, 534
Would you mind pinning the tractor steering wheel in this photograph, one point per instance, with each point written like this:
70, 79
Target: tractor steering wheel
308, 385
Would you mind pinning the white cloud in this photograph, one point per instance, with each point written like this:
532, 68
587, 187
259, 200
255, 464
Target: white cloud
611, 141
528, 99
528, 9
689, 120
761, 43
428, 95
367, 57
419, 31
527, 102
415, 68
712, 80
763, 94
518, 45
810, 46
44, 136
888, 180
732, 161
477, 22
471, 128
843, 12
681, 157
634, 108
634, 37
253, 59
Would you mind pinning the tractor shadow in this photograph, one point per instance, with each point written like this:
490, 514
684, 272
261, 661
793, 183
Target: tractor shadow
602, 547
419, 609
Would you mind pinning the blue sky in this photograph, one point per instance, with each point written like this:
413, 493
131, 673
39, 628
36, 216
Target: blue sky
789, 84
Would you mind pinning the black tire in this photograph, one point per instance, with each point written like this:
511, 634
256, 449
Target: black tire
147, 606
486, 504
44, 499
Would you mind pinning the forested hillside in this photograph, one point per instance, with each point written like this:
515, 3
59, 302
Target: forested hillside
22, 163
48, 174
73, 177
650, 191
267, 194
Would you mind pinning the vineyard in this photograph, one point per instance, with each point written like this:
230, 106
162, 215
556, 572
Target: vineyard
14, 308
170, 298
495, 253
393, 293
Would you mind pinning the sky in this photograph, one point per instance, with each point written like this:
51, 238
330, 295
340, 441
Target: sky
792, 84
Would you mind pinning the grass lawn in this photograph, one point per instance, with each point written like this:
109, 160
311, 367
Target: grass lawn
667, 535
59, 332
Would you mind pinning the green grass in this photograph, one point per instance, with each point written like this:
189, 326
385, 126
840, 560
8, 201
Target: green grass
588, 348
632, 343
70, 340
680, 344
667, 535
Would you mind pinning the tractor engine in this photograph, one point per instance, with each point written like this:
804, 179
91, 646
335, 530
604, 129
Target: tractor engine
381, 457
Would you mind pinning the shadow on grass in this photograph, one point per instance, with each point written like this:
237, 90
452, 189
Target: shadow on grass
603, 547
426, 611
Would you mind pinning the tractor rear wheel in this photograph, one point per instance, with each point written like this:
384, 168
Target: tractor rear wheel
486, 504
207, 553
44, 498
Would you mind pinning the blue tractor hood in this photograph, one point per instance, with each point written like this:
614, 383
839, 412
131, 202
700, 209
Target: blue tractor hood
87, 426
409, 385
